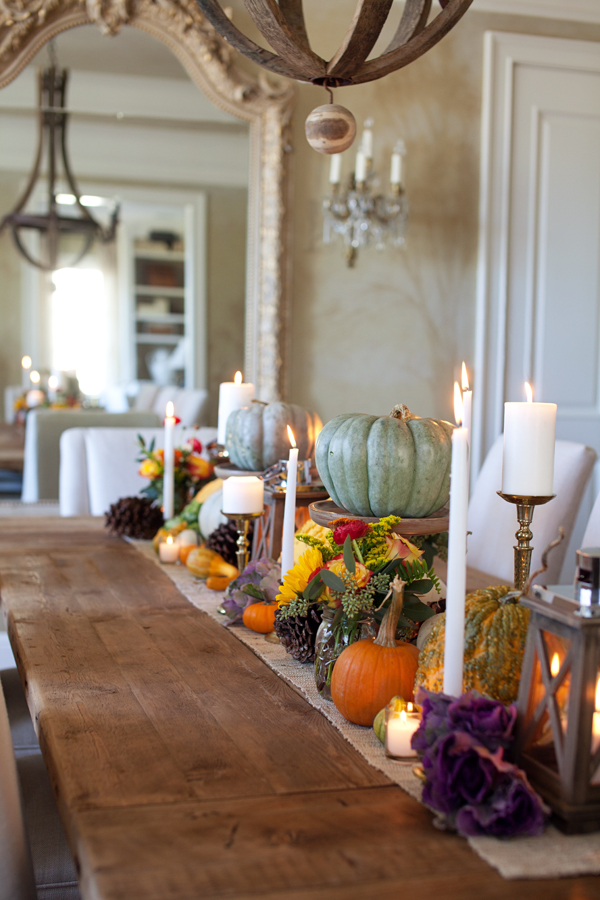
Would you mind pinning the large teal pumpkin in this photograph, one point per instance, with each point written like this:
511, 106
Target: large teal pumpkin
256, 436
386, 465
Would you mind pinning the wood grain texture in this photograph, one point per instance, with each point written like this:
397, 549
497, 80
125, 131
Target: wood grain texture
368, 20
280, 34
184, 768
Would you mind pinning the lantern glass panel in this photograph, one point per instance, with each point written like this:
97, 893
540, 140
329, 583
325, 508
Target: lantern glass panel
547, 707
596, 734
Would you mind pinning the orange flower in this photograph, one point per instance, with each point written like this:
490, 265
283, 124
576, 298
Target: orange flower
198, 467
337, 566
399, 547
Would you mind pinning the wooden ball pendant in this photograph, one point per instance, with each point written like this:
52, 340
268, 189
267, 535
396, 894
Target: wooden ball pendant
330, 128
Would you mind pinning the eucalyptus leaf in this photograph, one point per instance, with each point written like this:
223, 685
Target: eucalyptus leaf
419, 613
421, 587
349, 560
314, 588
333, 581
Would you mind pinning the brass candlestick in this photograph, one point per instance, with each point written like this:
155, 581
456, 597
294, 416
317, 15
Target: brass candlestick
242, 523
523, 550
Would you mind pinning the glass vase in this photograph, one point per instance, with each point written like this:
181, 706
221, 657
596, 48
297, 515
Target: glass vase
336, 632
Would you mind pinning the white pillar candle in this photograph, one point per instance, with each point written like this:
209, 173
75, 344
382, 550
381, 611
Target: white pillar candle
232, 395
26, 365
529, 440
243, 494
169, 464
457, 556
168, 551
335, 168
360, 171
398, 734
289, 510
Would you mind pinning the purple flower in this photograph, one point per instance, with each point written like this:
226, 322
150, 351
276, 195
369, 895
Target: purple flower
513, 808
259, 581
434, 719
490, 721
458, 771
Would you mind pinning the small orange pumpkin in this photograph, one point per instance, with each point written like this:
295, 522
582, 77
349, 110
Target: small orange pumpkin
219, 582
260, 617
370, 672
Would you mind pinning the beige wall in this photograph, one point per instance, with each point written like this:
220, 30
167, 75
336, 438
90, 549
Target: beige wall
395, 328
10, 292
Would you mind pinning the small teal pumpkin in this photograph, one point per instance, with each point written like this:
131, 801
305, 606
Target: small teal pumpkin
386, 465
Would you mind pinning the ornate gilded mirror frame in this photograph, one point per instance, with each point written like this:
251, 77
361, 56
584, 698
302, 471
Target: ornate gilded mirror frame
26, 25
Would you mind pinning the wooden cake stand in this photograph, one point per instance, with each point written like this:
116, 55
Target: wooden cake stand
325, 511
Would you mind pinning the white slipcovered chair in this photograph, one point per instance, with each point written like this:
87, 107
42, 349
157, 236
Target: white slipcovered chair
493, 521
591, 535
42, 440
99, 465
34, 856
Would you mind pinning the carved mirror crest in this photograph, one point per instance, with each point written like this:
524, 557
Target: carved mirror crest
26, 25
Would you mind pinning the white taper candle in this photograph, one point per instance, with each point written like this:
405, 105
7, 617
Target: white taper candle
169, 463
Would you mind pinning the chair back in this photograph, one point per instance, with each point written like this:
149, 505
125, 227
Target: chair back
17, 880
591, 535
99, 465
493, 521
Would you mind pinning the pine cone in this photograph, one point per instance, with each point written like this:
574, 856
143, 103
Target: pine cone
224, 540
134, 517
298, 634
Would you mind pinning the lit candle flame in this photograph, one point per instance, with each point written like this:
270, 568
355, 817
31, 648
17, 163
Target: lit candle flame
53, 382
409, 707
170, 410
458, 404
464, 378
291, 436
528, 392
237, 378
403, 716
598, 695
554, 665
26, 362
169, 540
35, 377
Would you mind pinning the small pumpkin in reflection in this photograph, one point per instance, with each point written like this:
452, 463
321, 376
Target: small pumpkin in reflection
370, 672
260, 617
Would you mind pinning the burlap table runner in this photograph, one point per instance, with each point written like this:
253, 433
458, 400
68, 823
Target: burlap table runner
553, 855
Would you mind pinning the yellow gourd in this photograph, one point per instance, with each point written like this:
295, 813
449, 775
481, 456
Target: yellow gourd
204, 563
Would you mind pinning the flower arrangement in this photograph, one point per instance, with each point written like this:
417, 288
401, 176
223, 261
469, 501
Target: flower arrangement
259, 581
468, 781
353, 566
190, 469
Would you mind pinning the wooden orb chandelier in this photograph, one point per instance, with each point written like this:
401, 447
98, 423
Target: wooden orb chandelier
281, 22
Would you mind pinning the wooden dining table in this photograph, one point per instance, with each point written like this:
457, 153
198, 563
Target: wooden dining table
185, 768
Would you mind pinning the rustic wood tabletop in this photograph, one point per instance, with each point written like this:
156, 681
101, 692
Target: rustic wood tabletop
185, 768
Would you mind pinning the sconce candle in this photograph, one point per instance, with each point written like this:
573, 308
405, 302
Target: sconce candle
232, 395
360, 171
457, 553
289, 510
335, 169
26, 365
169, 463
397, 164
529, 439
243, 494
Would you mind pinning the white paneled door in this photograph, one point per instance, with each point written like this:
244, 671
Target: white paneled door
538, 316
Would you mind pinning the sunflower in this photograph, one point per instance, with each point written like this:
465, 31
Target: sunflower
296, 579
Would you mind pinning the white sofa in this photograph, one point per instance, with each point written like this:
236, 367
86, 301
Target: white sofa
98, 466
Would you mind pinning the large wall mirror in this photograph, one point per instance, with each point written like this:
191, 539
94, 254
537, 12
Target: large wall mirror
206, 168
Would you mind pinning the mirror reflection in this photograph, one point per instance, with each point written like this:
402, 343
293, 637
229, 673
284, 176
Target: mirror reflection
163, 303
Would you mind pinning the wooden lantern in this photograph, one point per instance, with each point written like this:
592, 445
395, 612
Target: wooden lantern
558, 728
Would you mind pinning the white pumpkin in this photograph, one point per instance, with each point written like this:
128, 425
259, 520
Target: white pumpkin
210, 516
187, 538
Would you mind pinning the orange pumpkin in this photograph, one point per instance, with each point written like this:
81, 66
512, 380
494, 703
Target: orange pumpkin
260, 617
370, 672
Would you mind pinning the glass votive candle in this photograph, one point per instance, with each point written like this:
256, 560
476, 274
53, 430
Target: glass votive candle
168, 551
400, 725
